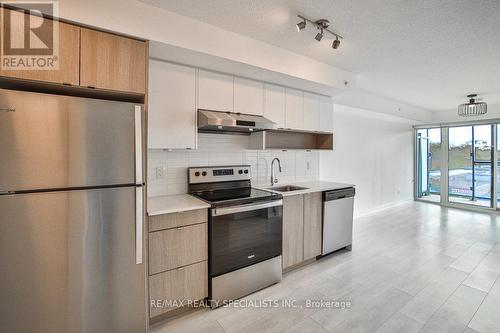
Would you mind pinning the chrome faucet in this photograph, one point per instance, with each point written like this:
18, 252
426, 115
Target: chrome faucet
273, 179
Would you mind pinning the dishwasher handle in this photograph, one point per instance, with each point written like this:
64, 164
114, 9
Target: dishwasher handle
339, 194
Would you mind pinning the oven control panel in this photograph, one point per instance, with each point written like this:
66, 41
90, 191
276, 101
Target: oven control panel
218, 174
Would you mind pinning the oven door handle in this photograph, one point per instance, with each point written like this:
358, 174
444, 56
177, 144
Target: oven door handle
245, 208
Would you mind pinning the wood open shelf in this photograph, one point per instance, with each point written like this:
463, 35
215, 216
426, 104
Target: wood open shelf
290, 139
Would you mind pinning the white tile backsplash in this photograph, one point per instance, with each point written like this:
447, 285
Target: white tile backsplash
217, 149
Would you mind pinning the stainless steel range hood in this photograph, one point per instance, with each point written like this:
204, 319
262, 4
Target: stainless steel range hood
232, 123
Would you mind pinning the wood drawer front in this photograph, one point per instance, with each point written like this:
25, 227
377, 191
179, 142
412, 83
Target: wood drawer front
173, 248
313, 223
174, 220
186, 283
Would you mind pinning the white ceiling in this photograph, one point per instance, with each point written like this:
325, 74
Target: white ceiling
426, 53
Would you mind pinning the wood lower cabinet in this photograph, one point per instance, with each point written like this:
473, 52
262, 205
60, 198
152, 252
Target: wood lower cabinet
67, 50
174, 220
172, 248
302, 228
293, 230
178, 285
313, 217
178, 259
109, 61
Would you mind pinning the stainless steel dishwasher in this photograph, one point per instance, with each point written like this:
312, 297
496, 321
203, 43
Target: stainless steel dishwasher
338, 208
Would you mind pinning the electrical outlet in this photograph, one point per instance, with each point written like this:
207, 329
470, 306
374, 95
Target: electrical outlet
308, 166
160, 173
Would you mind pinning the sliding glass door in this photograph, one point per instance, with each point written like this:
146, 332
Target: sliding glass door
459, 164
470, 164
429, 164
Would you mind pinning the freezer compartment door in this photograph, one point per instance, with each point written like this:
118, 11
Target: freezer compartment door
68, 262
50, 141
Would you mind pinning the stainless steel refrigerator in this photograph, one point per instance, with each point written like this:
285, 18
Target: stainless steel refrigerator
71, 215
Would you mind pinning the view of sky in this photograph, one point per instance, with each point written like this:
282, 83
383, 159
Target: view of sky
462, 135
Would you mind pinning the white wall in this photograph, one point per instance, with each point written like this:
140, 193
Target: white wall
368, 101
217, 149
374, 152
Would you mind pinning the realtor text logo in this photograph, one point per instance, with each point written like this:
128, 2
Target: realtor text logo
29, 38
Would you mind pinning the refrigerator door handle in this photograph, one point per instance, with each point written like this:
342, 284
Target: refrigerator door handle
138, 144
139, 216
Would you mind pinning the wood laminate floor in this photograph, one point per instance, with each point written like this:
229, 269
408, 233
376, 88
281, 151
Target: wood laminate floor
415, 267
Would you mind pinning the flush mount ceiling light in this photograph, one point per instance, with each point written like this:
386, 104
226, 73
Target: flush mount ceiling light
322, 25
473, 108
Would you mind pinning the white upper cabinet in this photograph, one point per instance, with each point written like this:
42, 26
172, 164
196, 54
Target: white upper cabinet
274, 104
215, 91
294, 109
311, 111
248, 96
326, 114
171, 106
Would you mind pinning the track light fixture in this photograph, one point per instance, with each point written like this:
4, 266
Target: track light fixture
319, 36
336, 43
301, 25
322, 25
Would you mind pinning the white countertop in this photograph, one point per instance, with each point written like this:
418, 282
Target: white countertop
167, 204
311, 186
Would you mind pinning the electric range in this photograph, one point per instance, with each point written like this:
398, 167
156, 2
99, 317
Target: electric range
245, 228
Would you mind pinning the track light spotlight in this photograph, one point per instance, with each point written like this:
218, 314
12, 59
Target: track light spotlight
336, 43
301, 25
322, 25
319, 36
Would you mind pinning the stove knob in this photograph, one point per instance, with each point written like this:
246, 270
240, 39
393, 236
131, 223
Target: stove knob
240, 172
246, 171
197, 173
204, 173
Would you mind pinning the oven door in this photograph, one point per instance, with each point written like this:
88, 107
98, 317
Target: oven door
244, 235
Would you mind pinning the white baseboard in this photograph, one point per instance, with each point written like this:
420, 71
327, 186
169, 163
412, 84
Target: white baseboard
382, 207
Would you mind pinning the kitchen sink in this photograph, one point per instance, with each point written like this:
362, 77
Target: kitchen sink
288, 188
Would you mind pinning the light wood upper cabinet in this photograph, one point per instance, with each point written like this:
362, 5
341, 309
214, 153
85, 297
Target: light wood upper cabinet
112, 62
293, 230
248, 96
311, 111
171, 106
326, 114
274, 104
215, 91
313, 216
294, 109
68, 46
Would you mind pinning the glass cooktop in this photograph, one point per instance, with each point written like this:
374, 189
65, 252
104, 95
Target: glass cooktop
235, 196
